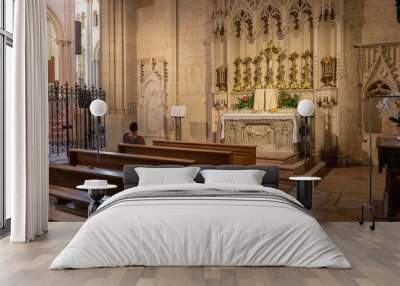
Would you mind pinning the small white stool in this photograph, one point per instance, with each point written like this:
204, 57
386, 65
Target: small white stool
305, 187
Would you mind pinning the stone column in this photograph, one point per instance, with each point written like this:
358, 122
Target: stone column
339, 25
88, 44
229, 64
65, 61
340, 82
118, 66
315, 51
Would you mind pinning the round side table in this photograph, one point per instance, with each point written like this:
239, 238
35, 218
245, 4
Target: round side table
96, 193
305, 187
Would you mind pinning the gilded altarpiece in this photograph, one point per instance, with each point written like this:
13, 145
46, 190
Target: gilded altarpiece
296, 46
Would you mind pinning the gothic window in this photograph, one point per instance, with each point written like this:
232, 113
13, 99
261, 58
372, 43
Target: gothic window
298, 9
243, 18
269, 13
377, 88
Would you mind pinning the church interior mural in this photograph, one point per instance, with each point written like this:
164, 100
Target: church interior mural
227, 72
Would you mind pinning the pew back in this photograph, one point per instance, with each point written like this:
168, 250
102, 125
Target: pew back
116, 161
200, 156
241, 154
71, 176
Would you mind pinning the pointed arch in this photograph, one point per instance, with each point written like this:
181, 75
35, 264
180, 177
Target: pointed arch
380, 72
56, 23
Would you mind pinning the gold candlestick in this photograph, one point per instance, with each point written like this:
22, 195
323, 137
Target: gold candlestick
306, 74
247, 74
257, 72
237, 80
280, 77
293, 83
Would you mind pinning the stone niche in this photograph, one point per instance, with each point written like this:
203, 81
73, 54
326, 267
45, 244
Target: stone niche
152, 99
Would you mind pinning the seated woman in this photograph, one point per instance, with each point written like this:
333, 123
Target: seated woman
132, 137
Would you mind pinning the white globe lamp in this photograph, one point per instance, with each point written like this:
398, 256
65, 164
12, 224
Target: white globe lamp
306, 109
98, 108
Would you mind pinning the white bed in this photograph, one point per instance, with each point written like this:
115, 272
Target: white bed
201, 231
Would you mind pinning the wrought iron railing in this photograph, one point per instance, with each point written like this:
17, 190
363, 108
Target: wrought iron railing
71, 124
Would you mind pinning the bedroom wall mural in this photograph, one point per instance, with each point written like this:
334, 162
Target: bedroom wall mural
293, 46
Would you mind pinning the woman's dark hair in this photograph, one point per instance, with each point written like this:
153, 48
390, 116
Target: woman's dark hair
133, 127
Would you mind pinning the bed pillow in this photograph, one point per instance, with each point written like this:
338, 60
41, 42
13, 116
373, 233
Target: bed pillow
247, 177
166, 176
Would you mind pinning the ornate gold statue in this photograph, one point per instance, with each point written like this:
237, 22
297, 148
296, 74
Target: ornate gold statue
293, 83
306, 74
257, 72
269, 51
247, 74
280, 77
237, 80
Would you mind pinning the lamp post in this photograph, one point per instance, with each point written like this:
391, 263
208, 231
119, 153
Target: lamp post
98, 108
178, 112
305, 109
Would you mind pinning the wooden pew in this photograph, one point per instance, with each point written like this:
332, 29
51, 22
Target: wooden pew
116, 161
241, 154
200, 156
63, 180
71, 176
84, 165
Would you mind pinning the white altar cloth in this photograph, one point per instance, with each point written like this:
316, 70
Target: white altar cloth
265, 115
265, 99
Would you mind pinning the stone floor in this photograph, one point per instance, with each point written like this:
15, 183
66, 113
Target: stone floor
339, 195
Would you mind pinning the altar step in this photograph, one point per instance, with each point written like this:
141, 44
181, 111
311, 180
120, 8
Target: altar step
277, 158
313, 169
294, 165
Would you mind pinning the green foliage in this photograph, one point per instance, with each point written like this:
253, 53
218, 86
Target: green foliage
245, 102
395, 120
287, 100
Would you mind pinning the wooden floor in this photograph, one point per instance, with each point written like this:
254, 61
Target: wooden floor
375, 257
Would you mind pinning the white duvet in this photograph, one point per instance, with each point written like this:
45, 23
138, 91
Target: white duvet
200, 231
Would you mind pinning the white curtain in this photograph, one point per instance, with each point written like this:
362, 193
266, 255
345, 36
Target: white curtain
27, 124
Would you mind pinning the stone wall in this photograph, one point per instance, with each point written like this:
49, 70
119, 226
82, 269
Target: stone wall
156, 38
349, 102
179, 32
367, 22
118, 66
194, 48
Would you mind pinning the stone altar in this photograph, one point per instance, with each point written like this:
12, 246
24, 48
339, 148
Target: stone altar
270, 131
